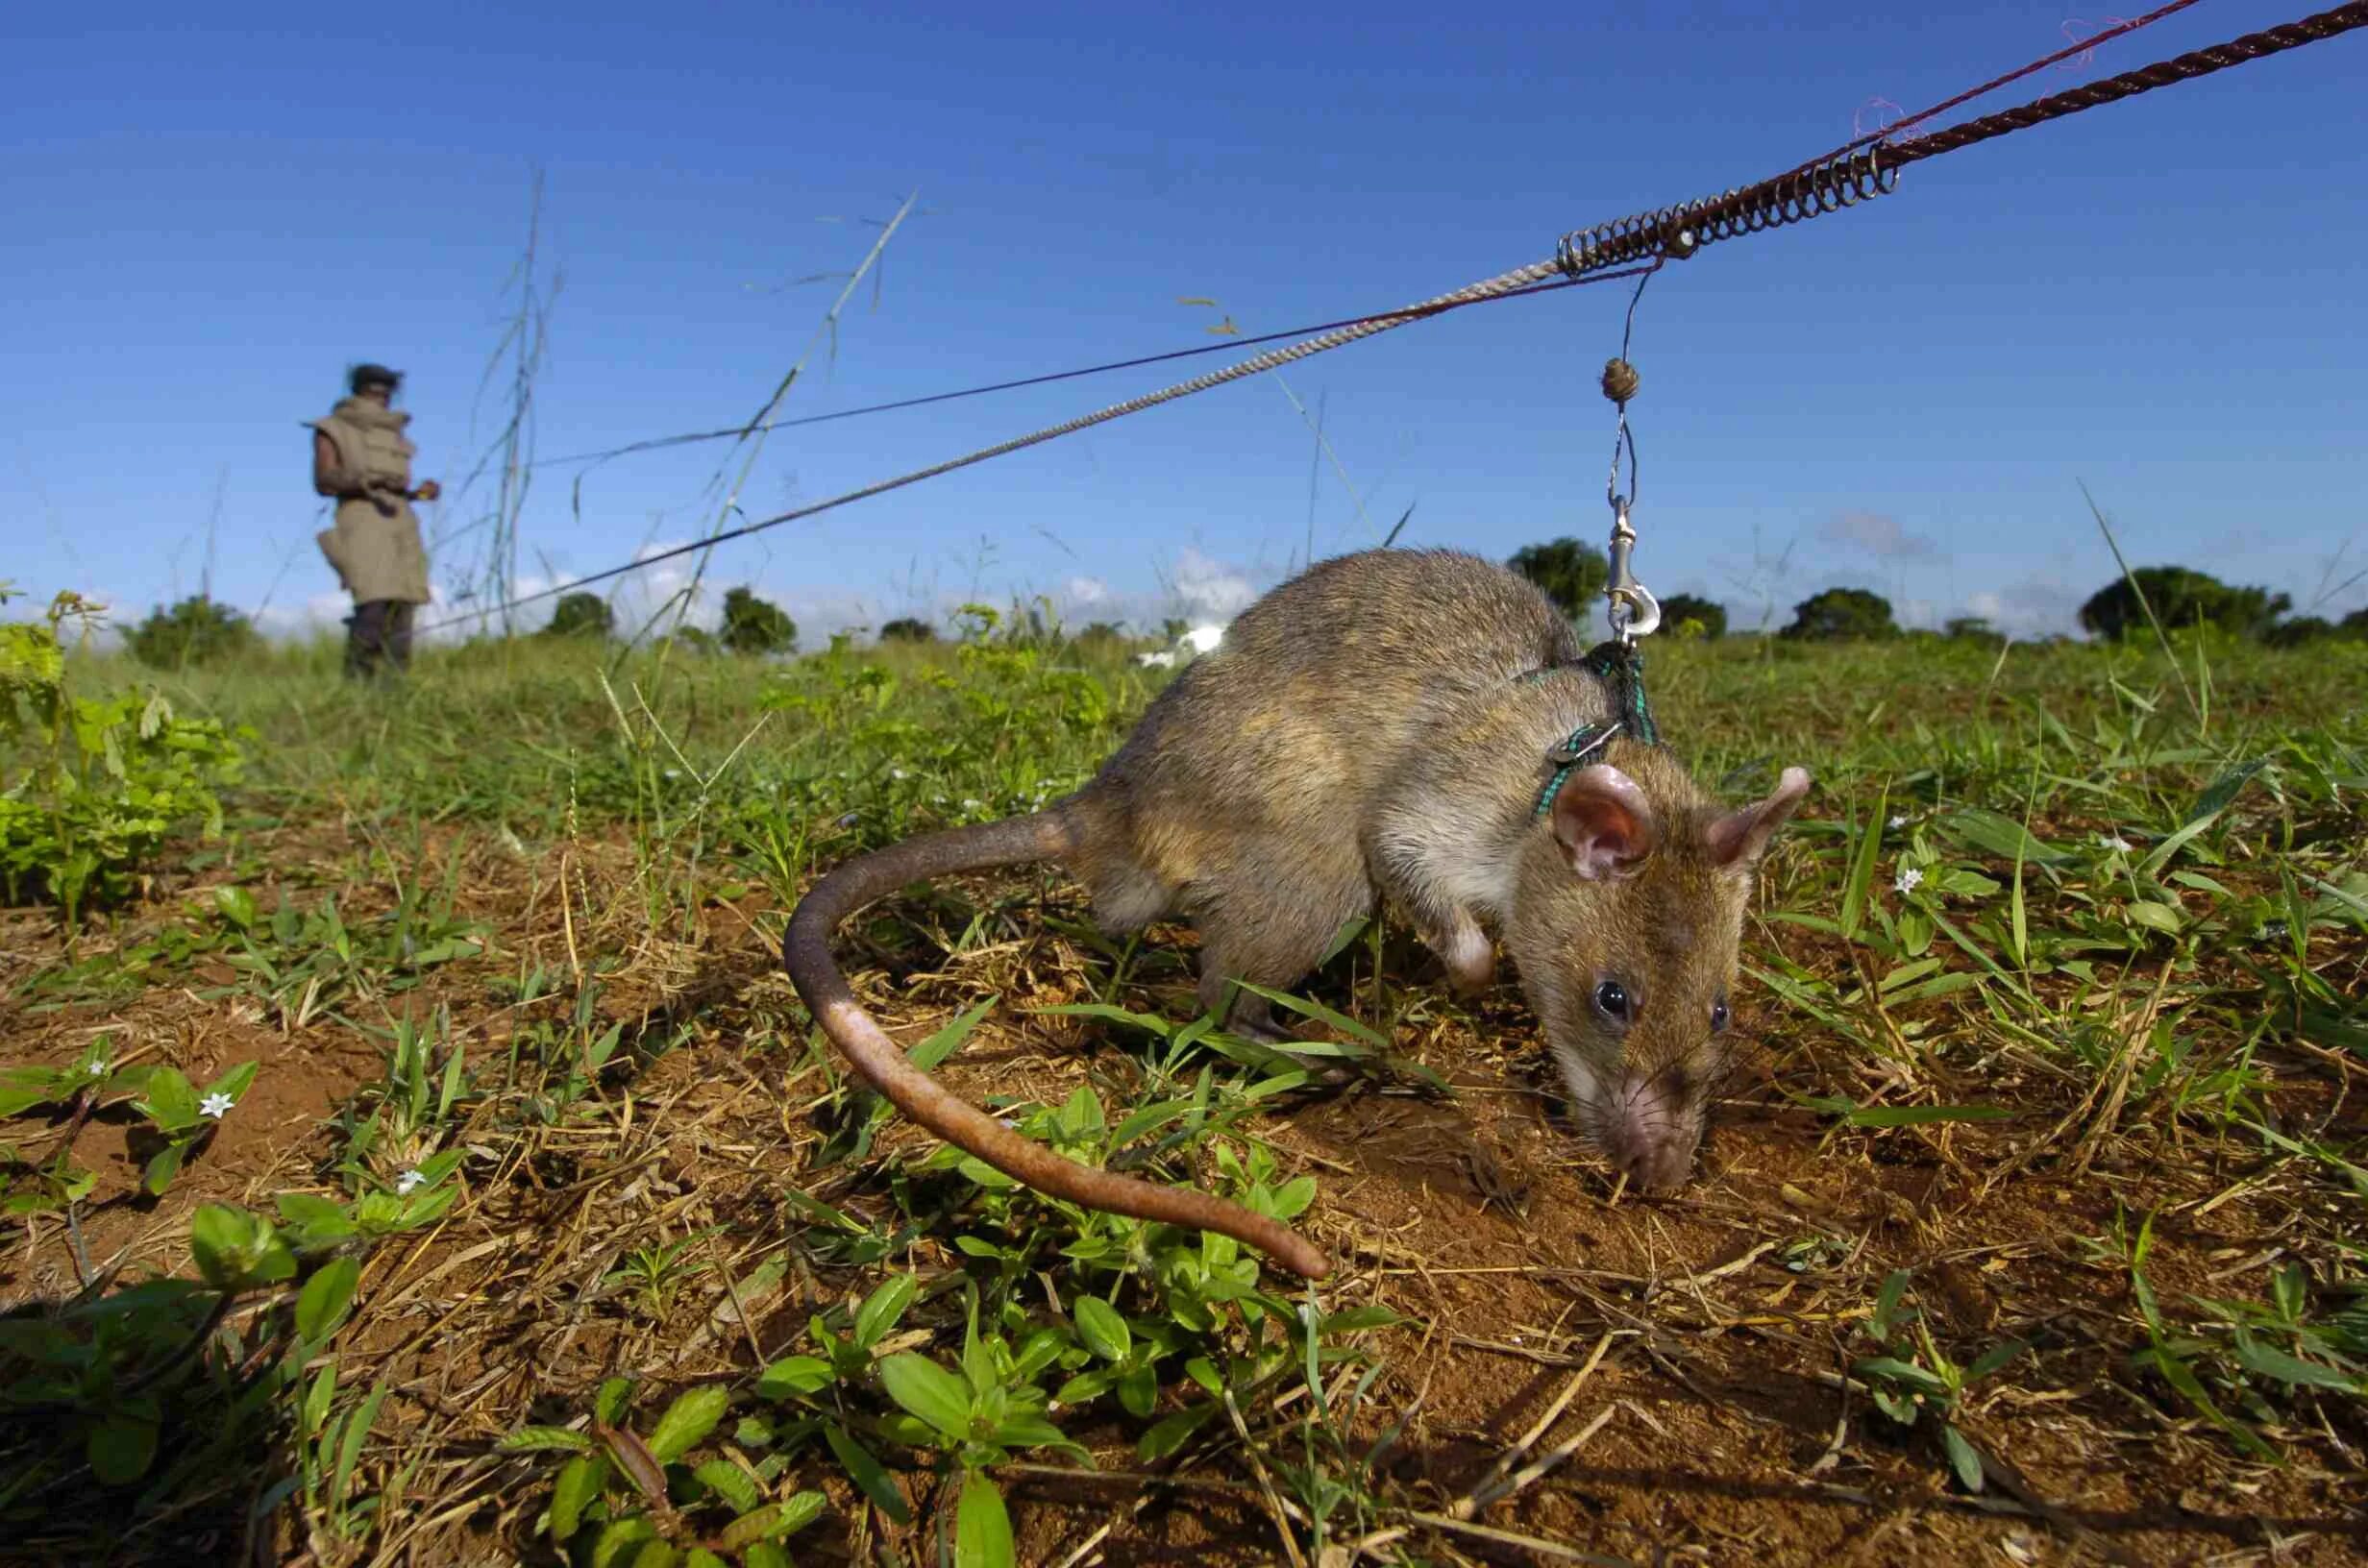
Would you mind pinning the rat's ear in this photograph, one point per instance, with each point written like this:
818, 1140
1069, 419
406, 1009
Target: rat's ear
1603, 822
1739, 838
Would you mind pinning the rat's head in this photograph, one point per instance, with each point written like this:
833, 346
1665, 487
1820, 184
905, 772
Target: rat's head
1624, 929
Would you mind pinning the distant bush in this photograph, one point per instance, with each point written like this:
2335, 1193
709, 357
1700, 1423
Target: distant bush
1678, 610
2305, 630
755, 625
1102, 638
581, 615
2181, 598
1841, 614
907, 629
1973, 628
1569, 571
197, 630
90, 788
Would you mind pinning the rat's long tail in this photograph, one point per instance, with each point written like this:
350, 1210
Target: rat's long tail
1016, 841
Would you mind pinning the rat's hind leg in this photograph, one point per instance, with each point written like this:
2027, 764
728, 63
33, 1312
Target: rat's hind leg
1271, 928
1126, 895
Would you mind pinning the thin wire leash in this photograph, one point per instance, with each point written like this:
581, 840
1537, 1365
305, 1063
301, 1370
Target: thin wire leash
1232, 345
2084, 46
1856, 172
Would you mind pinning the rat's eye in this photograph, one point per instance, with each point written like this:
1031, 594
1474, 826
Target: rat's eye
1612, 997
1719, 1014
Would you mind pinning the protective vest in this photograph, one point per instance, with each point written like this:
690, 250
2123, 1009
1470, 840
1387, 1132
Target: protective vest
375, 546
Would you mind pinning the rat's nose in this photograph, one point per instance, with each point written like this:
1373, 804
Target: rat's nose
1648, 1134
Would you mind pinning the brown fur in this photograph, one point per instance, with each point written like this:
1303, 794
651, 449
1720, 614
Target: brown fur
1378, 728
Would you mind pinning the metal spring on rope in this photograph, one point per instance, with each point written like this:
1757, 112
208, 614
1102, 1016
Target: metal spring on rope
1675, 232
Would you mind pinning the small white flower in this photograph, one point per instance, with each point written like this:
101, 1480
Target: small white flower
970, 805
408, 1180
1909, 877
97, 1068
896, 773
216, 1106
2115, 842
1899, 822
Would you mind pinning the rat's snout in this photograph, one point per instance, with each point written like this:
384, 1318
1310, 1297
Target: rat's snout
1648, 1129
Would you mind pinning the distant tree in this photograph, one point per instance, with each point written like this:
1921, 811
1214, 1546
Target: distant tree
691, 639
2179, 598
2354, 625
906, 629
1841, 614
197, 630
1679, 608
2300, 631
1100, 638
755, 625
1569, 571
1973, 628
1172, 631
581, 615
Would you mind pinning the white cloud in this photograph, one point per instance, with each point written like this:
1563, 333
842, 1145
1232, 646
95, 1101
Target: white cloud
1878, 533
1086, 591
1209, 589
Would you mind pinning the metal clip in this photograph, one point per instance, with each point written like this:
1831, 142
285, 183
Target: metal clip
1633, 612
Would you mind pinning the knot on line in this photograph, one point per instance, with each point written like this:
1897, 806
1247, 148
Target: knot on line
1619, 380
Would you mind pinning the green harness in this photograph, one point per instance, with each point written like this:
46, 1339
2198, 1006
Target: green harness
1620, 667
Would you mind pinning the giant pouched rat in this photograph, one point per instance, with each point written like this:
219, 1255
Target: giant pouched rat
1386, 722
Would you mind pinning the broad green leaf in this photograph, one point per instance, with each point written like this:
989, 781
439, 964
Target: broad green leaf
543, 1438
729, 1481
1964, 1457
794, 1374
234, 1083
929, 1391
982, 1525
162, 1166
1994, 1358
170, 1101
1102, 1330
866, 1473
120, 1449
321, 1307
2001, 836
1890, 1369
349, 1450
235, 1249
1886, 1304
620, 1543
1171, 1433
2271, 1362
315, 1221
238, 906
581, 1480
687, 1420
884, 1308
2223, 790
772, 1521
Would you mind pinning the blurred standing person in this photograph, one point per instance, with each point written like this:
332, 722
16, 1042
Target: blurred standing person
362, 456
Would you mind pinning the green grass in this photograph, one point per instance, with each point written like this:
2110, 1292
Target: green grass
2060, 915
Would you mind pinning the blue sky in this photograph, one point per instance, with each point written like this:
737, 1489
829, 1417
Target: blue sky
211, 219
